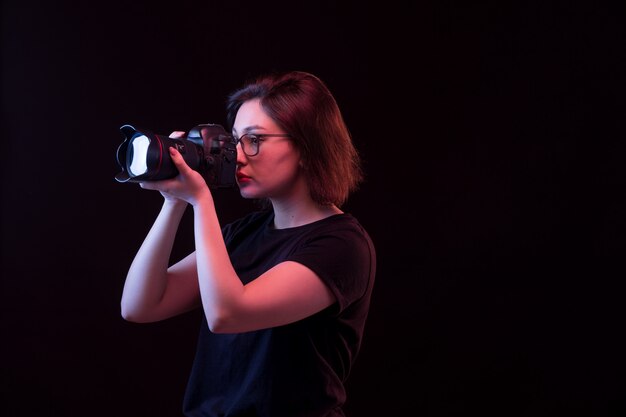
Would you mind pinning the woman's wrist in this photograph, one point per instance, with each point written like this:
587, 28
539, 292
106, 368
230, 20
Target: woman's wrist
203, 198
174, 204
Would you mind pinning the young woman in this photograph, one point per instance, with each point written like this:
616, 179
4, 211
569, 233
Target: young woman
285, 290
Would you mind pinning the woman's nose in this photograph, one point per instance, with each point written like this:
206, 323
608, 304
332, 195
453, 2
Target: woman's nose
241, 157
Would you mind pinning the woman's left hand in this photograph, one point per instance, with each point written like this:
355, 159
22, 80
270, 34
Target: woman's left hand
188, 185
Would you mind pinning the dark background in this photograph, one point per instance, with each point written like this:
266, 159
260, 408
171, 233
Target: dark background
493, 138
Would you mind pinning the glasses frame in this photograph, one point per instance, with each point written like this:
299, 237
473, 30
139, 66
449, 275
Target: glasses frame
259, 137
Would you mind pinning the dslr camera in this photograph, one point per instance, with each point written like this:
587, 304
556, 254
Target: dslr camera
207, 148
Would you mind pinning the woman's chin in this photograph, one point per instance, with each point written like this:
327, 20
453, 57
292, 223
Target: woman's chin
247, 193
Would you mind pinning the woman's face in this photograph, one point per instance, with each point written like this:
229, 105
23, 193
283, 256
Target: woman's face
274, 171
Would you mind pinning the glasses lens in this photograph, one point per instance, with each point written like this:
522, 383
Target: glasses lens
250, 144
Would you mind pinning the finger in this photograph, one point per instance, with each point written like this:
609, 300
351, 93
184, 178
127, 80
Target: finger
160, 185
179, 161
148, 185
177, 134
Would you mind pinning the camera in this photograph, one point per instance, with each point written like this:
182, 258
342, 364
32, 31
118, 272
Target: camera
207, 148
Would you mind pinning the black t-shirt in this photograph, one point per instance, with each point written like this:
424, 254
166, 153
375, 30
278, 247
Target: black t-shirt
297, 369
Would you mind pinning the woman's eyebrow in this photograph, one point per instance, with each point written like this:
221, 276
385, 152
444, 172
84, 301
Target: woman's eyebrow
248, 129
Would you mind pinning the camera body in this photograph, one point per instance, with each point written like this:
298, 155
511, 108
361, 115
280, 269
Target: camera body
207, 148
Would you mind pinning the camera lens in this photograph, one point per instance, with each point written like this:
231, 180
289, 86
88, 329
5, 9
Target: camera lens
138, 156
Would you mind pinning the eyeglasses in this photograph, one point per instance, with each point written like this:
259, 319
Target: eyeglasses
250, 142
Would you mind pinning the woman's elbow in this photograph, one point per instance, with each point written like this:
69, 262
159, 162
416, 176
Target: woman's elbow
128, 316
132, 315
220, 322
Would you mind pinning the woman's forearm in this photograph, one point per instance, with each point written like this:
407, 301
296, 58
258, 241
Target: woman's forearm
220, 287
146, 280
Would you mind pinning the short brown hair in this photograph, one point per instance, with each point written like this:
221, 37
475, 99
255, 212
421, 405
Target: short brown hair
302, 105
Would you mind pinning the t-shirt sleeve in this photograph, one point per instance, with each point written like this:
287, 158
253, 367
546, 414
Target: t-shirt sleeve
342, 259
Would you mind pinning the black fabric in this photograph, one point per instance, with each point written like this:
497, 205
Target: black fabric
297, 369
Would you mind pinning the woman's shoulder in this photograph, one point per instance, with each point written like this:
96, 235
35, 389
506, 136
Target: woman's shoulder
342, 221
343, 226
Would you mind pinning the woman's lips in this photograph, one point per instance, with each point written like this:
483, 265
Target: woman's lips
242, 177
